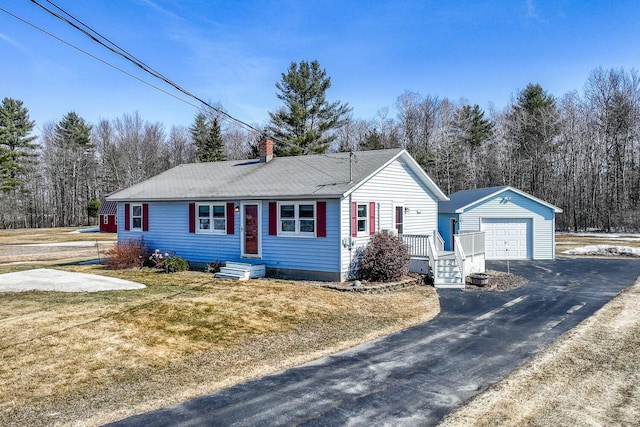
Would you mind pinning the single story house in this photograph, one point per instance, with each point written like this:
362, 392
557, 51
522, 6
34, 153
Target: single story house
107, 216
517, 225
300, 217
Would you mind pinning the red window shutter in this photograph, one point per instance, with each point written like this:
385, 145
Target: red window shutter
372, 218
321, 207
192, 217
145, 217
273, 219
354, 219
230, 217
127, 217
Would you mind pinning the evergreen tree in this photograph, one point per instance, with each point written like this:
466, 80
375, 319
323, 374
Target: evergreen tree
72, 165
373, 141
471, 126
207, 136
534, 123
307, 120
470, 131
15, 144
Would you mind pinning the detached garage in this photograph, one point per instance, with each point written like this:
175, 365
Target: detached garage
516, 224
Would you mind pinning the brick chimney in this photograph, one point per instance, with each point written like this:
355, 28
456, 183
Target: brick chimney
266, 150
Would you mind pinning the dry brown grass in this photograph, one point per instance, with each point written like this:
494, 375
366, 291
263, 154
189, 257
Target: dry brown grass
86, 359
588, 377
49, 235
12, 251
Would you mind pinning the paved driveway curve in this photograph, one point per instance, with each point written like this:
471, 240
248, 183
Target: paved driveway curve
416, 376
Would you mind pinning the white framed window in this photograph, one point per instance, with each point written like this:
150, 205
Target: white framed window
362, 219
297, 219
105, 219
136, 217
212, 218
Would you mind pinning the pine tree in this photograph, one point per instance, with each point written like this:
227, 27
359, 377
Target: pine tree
307, 120
534, 123
471, 130
72, 165
207, 137
15, 145
471, 126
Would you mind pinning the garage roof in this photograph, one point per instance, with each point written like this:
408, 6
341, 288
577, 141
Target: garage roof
460, 201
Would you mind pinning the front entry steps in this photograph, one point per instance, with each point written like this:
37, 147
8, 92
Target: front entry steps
448, 274
241, 271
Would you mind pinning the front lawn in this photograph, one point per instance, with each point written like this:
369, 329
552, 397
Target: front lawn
90, 358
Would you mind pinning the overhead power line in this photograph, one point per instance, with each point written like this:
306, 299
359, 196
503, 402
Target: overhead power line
113, 47
97, 58
105, 42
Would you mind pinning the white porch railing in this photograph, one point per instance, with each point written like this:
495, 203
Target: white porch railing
469, 252
418, 244
422, 246
438, 240
472, 243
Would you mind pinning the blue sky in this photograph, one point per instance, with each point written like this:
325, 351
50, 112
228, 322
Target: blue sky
233, 52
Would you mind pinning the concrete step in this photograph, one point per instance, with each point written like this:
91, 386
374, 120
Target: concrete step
241, 271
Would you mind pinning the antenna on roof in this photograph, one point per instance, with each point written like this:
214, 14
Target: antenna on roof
350, 167
352, 158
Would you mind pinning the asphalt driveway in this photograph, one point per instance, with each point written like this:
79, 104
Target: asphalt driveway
416, 376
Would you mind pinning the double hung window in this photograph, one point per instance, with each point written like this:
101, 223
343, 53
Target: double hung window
297, 219
363, 218
136, 217
212, 218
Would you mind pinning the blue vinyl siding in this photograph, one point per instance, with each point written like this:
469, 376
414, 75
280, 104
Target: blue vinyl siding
519, 206
301, 253
169, 230
444, 228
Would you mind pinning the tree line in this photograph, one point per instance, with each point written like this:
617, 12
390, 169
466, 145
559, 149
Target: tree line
579, 151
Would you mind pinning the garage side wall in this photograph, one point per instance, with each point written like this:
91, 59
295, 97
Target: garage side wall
445, 229
513, 205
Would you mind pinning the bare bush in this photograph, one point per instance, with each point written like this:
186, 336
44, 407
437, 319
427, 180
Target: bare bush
385, 258
128, 254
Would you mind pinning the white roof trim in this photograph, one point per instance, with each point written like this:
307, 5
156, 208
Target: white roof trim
502, 190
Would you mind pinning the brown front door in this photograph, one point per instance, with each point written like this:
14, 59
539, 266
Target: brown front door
251, 231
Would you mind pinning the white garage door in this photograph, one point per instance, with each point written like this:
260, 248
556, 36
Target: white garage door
507, 238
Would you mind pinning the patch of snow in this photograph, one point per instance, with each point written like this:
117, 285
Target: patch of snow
607, 250
44, 279
86, 230
631, 236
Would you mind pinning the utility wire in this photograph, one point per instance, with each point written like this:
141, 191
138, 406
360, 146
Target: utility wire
114, 48
99, 59
98, 38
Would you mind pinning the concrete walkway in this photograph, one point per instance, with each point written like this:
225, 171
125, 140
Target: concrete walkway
417, 376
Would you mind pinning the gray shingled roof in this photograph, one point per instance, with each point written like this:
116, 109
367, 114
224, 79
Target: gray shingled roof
462, 199
325, 175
